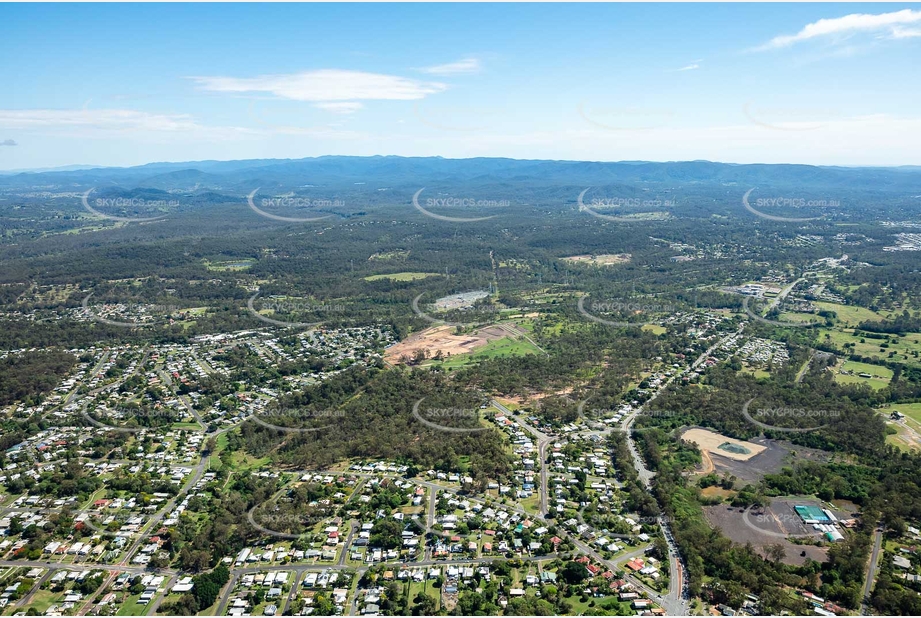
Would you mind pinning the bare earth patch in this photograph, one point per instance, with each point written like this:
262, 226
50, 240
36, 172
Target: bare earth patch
520, 401
443, 339
771, 527
721, 445
605, 259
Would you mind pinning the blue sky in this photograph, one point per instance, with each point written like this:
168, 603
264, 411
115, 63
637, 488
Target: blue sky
111, 84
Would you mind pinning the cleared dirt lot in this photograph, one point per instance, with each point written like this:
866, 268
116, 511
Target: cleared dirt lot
443, 338
717, 444
776, 524
772, 455
606, 259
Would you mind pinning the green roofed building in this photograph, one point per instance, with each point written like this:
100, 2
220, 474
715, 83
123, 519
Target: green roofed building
812, 514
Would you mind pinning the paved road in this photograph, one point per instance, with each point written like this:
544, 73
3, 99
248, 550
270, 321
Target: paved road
783, 294
802, 370
543, 440
238, 572
27, 598
154, 605
197, 472
871, 572
353, 527
675, 602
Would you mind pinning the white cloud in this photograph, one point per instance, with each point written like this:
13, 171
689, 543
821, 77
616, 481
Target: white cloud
689, 67
340, 107
888, 25
326, 85
111, 119
101, 122
466, 65
905, 33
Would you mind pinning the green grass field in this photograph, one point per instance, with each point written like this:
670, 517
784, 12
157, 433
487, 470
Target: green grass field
131, 607
423, 587
42, 600
882, 375
907, 350
401, 276
849, 315
799, 318
230, 265
756, 371
192, 425
507, 346
911, 410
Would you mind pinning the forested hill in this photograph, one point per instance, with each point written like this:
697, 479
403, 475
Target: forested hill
398, 171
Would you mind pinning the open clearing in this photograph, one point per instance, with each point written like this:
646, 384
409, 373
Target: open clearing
853, 372
904, 351
230, 265
849, 315
905, 439
443, 339
771, 526
771, 457
799, 318
507, 346
911, 410
605, 259
908, 436
401, 276
716, 444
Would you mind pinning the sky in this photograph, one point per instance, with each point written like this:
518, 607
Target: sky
128, 84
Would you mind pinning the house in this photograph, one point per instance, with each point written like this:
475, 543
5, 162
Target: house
902, 562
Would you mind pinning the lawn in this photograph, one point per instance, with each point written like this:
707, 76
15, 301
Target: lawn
590, 607
900, 439
799, 318
850, 315
531, 504
881, 375
423, 587
187, 425
911, 410
131, 607
214, 460
42, 600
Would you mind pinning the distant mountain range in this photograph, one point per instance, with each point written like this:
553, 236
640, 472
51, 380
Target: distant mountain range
240, 177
